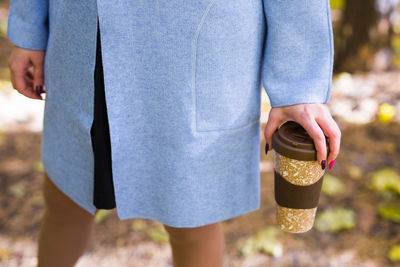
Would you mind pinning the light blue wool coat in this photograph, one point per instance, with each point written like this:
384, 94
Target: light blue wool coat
183, 83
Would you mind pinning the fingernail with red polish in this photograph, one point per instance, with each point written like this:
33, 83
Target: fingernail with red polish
323, 162
331, 164
266, 148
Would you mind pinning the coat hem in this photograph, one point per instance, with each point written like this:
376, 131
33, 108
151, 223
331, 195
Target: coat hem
159, 219
73, 197
191, 225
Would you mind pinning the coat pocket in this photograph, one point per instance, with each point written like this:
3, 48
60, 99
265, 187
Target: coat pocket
226, 68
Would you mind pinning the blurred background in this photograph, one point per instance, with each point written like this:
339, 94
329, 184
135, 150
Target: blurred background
358, 217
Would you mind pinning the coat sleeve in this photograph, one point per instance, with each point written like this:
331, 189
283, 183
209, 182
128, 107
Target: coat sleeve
27, 25
298, 52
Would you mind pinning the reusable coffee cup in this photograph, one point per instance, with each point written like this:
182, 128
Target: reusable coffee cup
298, 177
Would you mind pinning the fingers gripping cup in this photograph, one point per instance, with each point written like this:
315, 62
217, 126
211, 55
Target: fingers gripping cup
298, 177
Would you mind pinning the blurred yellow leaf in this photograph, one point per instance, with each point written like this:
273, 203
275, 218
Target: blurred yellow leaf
101, 215
395, 42
264, 240
390, 147
138, 225
396, 28
3, 27
17, 189
335, 220
38, 199
390, 212
332, 185
396, 60
4, 254
385, 180
337, 4
386, 112
38, 166
158, 235
5, 85
394, 253
248, 248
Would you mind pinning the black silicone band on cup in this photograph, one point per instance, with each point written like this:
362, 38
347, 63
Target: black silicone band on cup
296, 196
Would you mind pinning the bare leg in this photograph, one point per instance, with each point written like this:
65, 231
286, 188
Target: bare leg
197, 247
65, 229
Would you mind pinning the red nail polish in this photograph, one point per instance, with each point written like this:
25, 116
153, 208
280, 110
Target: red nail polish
331, 164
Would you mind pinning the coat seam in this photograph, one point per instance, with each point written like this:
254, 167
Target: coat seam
194, 62
330, 49
194, 72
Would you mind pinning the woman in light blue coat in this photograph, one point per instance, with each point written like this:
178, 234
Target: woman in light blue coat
182, 84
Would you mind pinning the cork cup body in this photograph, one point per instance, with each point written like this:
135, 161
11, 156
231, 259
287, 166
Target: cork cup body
303, 173
298, 178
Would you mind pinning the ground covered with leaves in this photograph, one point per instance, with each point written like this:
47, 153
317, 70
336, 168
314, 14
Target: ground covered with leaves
358, 217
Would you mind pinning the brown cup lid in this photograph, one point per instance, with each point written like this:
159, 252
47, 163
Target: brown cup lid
292, 140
